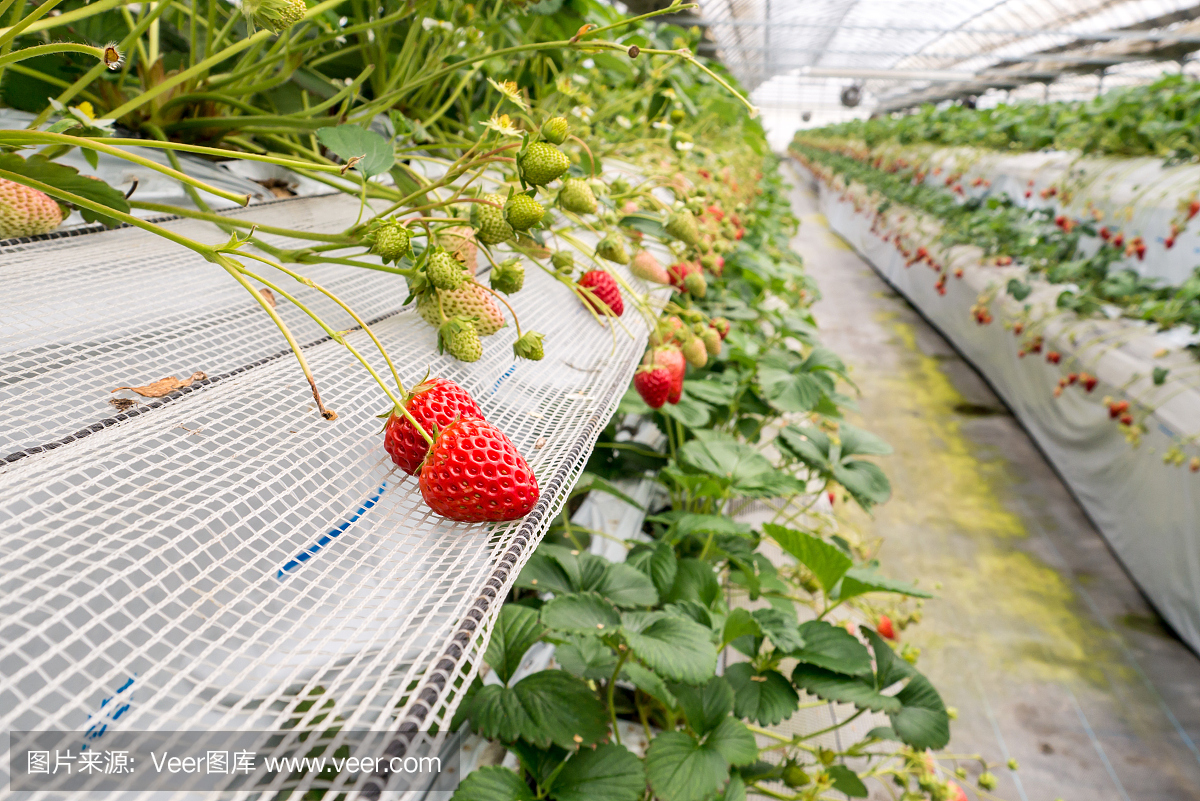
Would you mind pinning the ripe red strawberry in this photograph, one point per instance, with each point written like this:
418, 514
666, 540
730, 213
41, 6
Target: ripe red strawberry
1105, 234
832, 498
1117, 408
680, 270
722, 326
1118, 240
1193, 209
1169, 242
671, 357
605, 294
436, 402
653, 384
1089, 381
957, 793
1053, 357
475, 474
885, 627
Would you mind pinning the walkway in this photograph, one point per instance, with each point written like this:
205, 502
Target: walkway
1038, 637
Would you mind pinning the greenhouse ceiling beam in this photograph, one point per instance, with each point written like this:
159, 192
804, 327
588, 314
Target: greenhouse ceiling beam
935, 76
708, 49
1098, 36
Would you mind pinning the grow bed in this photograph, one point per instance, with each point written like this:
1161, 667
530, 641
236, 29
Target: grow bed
222, 558
1145, 508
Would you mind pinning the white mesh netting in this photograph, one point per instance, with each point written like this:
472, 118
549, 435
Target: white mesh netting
221, 559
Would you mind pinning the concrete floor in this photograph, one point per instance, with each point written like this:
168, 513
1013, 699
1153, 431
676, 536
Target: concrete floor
1038, 637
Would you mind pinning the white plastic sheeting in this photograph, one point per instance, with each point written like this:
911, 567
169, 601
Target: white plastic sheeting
1148, 511
218, 559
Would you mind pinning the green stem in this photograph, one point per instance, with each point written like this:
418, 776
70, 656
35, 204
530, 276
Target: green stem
612, 688
48, 49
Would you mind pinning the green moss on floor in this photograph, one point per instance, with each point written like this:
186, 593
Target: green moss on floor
948, 521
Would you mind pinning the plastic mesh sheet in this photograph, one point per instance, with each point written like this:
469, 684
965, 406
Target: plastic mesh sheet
219, 559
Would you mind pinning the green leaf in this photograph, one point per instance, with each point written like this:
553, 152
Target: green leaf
650, 226
492, 783
585, 656
736, 465
350, 141
689, 411
922, 722
809, 445
516, 630
658, 563
833, 648
698, 524
607, 773
679, 768
544, 573
857, 441
826, 561
584, 613
538, 762
1018, 288
740, 623
627, 587
865, 481
546, 707
676, 648
705, 706
861, 580
694, 581
847, 781
716, 393
1159, 375
765, 697
735, 790
832, 686
788, 391
780, 628
648, 682
68, 179
732, 740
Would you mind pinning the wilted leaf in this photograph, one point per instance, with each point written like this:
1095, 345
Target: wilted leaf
164, 386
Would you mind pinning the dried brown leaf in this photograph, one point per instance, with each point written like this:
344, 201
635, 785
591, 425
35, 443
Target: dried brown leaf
268, 296
164, 386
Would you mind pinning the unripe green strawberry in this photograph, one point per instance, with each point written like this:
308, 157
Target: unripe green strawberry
542, 163
25, 211
508, 276
390, 240
274, 15
695, 352
695, 285
523, 212
555, 130
678, 115
682, 225
987, 780
613, 248
709, 262
469, 301
712, 341
460, 339
619, 186
563, 261
646, 267
794, 776
489, 222
576, 196
695, 206
529, 346
443, 270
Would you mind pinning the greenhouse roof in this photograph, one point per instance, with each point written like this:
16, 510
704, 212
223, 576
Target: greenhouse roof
800, 56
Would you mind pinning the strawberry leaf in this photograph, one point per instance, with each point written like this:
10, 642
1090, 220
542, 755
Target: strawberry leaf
516, 630
861, 580
681, 769
607, 773
547, 707
826, 561
847, 781
833, 648
581, 613
765, 697
351, 141
492, 783
675, 648
68, 179
705, 706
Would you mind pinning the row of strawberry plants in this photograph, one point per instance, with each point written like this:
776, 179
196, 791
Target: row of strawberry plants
640, 640
1156, 119
1083, 256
